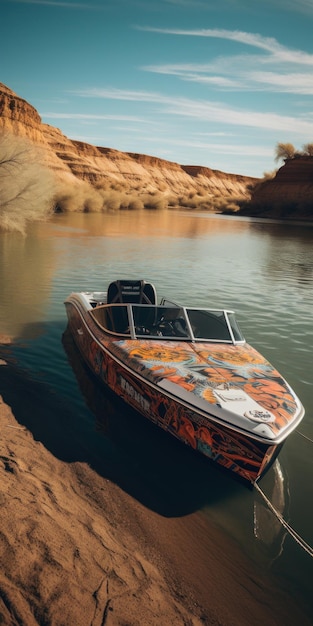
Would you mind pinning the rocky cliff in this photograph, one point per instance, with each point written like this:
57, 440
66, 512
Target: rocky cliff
100, 166
289, 195
155, 182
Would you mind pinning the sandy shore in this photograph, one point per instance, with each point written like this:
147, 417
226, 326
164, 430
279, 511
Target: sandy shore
76, 550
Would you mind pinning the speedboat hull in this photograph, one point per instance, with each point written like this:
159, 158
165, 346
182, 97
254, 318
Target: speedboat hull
164, 381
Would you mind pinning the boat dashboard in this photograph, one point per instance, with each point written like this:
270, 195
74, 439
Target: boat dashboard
167, 321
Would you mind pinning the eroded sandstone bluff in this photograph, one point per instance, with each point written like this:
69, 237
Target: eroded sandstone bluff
288, 195
98, 165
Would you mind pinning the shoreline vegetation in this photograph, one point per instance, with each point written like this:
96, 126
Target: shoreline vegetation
43, 172
76, 549
32, 188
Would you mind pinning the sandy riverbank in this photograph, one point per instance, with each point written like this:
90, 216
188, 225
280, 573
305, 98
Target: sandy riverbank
77, 550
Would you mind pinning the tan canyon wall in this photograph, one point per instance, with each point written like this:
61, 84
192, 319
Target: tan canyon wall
288, 195
97, 165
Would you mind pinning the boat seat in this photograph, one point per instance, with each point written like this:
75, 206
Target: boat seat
132, 291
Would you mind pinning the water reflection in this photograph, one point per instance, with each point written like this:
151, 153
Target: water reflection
267, 527
261, 270
26, 270
143, 224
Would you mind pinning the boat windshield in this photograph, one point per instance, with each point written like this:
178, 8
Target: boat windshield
169, 322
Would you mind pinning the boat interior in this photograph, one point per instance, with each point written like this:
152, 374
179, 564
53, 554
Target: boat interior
131, 310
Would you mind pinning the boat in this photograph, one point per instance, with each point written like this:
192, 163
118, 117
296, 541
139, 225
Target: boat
189, 370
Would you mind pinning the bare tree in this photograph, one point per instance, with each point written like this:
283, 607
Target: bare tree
308, 149
285, 151
26, 184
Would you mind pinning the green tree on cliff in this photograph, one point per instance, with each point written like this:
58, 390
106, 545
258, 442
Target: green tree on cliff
285, 151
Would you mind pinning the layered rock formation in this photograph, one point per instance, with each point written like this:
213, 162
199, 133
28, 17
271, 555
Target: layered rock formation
289, 195
99, 165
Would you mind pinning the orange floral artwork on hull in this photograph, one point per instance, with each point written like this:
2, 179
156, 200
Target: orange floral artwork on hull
200, 368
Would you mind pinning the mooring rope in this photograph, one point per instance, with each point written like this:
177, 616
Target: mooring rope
293, 533
304, 436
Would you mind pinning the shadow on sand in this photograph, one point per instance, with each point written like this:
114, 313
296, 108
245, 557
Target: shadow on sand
114, 440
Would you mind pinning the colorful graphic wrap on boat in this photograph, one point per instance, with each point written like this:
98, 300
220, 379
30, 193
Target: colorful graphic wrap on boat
244, 456
230, 450
201, 368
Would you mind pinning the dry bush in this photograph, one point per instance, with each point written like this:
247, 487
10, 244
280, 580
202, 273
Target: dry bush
207, 205
219, 204
308, 149
172, 201
82, 197
191, 201
284, 151
154, 201
135, 203
104, 185
76, 196
117, 186
268, 175
27, 186
232, 207
111, 200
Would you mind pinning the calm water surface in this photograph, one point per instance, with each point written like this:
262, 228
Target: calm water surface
262, 270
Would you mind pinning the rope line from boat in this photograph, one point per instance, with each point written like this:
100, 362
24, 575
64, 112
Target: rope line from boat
304, 436
293, 533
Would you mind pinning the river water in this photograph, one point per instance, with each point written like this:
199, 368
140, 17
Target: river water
263, 270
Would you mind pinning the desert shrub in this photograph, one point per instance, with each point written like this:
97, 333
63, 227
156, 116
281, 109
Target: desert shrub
76, 196
284, 151
172, 201
231, 207
269, 175
135, 204
308, 149
111, 200
130, 202
117, 186
192, 201
93, 202
154, 201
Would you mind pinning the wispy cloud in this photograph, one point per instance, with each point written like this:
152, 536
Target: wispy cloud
255, 40
275, 68
206, 111
239, 76
301, 6
55, 3
220, 148
91, 117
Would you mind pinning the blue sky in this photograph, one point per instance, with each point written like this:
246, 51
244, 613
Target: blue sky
216, 83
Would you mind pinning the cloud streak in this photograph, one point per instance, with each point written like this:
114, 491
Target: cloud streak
61, 5
89, 117
275, 69
238, 79
255, 40
205, 111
